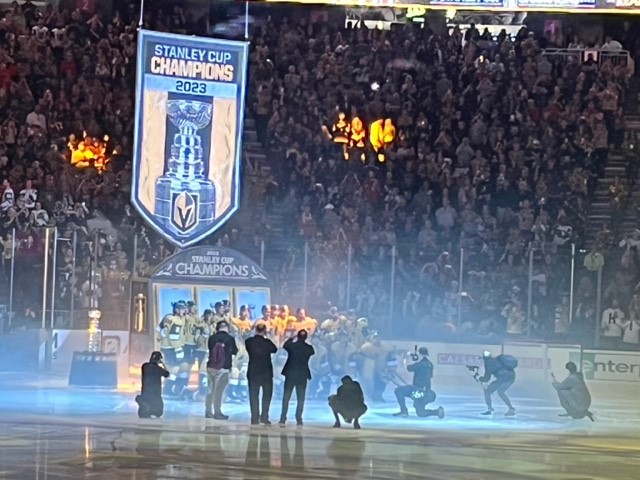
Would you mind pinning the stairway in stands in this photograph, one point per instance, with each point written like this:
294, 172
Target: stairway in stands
276, 241
282, 227
601, 210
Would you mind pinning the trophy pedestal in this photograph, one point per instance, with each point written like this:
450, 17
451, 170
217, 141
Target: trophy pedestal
94, 369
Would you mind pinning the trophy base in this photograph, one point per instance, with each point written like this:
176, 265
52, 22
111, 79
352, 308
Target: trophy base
181, 206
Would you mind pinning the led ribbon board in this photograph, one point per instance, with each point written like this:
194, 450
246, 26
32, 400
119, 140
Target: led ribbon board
551, 4
468, 3
190, 95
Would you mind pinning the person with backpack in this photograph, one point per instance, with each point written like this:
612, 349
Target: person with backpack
222, 348
502, 368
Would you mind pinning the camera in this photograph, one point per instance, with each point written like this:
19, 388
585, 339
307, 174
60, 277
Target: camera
474, 370
414, 355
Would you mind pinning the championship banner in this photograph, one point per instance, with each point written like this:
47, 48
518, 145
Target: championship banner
190, 95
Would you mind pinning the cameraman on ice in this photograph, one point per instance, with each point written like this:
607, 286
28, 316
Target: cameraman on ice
502, 368
420, 389
149, 401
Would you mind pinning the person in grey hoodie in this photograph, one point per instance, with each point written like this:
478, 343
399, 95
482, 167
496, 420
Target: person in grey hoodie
573, 394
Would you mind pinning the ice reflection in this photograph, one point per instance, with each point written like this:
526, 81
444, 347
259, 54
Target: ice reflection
97, 435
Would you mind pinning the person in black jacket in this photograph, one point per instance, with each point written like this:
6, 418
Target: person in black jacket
149, 401
222, 348
420, 388
296, 374
260, 373
348, 402
504, 378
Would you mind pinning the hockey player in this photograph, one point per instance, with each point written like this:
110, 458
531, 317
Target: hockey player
242, 323
304, 322
171, 334
219, 313
320, 384
237, 389
265, 319
373, 365
202, 331
192, 319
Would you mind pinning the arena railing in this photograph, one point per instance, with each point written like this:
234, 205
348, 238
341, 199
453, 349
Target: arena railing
601, 56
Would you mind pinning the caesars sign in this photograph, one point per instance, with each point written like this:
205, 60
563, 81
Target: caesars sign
609, 366
213, 264
188, 128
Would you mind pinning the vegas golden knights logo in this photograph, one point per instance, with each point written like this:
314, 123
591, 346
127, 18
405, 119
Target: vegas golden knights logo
185, 211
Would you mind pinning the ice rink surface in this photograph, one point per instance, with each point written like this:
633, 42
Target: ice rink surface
50, 431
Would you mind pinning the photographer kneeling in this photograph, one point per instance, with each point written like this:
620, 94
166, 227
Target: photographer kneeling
420, 389
149, 401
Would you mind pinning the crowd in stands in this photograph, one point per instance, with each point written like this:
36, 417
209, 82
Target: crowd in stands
496, 152
63, 73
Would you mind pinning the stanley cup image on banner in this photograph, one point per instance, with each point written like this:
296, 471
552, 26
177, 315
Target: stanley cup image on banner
188, 136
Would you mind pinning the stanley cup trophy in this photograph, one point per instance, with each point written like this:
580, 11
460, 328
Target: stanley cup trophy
184, 195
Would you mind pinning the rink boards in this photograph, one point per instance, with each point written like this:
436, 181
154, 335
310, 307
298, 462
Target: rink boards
609, 371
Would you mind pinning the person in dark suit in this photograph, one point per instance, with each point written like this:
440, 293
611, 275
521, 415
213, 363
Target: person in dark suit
348, 402
296, 374
149, 401
260, 374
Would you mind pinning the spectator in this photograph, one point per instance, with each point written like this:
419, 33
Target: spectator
29, 195
631, 327
39, 216
446, 215
611, 44
498, 149
8, 197
36, 121
612, 319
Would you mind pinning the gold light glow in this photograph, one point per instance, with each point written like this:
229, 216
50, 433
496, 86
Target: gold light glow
352, 135
89, 152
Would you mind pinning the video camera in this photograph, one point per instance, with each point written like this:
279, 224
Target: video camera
414, 355
474, 370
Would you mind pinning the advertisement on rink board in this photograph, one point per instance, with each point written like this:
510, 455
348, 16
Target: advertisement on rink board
610, 366
534, 361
